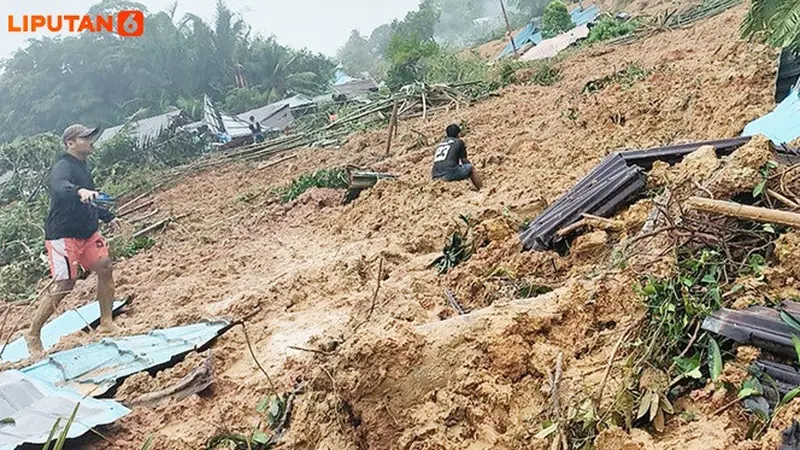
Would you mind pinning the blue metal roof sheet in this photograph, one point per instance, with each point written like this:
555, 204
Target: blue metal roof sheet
530, 35
95, 368
70, 322
782, 125
36, 405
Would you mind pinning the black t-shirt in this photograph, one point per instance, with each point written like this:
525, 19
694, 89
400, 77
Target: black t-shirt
448, 155
69, 217
255, 127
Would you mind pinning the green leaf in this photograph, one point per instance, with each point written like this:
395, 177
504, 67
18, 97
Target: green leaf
547, 431
790, 396
796, 342
751, 386
263, 405
714, 359
8, 421
259, 437
769, 228
62, 438
148, 443
790, 320
759, 189
709, 279
52, 434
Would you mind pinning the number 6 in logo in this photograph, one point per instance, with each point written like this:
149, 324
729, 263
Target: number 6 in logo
130, 23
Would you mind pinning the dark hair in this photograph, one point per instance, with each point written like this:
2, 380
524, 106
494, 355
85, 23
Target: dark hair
252, 118
452, 130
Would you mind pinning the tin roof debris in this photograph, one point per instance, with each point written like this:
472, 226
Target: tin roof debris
531, 36
609, 186
34, 406
145, 130
356, 88
782, 125
70, 322
759, 326
95, 368
358, 180
785, 377
547, 48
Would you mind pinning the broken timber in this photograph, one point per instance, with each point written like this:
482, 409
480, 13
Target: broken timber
745, 211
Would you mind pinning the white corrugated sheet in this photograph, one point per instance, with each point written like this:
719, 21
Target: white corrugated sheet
144, 130
549, 48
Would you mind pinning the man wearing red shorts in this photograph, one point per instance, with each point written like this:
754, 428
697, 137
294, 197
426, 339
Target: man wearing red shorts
71, 235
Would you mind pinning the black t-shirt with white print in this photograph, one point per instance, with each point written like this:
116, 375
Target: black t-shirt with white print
448, 155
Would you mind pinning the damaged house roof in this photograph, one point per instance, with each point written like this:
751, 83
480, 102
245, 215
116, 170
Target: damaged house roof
95, 368
608, 187
34, 407
145, 130
356, 87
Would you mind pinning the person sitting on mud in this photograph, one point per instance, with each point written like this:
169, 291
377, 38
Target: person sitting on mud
450, 161
71, 235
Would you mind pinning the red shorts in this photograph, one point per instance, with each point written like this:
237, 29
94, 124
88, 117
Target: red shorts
66, 253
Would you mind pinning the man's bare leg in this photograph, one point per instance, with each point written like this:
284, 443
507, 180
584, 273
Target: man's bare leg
46, 309
105, 295
476, 180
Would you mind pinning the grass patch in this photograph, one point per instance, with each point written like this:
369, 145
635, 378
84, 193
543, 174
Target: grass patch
325, 178
627, 77
127, 248
546, 75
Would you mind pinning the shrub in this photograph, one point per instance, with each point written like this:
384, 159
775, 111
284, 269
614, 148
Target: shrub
556, 19
610, 28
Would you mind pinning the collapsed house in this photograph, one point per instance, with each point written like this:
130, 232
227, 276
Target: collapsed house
530, 36
146, 131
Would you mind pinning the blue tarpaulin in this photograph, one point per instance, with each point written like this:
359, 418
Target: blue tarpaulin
529, 35
35, 406
70, 322
95, 368
782, 125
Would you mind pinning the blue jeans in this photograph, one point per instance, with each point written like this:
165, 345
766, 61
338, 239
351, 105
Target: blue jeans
458, 173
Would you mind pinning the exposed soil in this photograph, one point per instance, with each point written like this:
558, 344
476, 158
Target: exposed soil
408, 371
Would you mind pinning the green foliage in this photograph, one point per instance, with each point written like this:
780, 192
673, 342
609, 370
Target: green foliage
447, 67
357, 55
406, 52
546, 75
458, 249
714, 360
528, 9
678, 303
609, 28
325, 178
240, 100
126, 248
776, 21
99, 79
26, 162
556, 19
21, 249
764, 172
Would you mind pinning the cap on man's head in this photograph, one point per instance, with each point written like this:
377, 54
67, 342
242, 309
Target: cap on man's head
78, 131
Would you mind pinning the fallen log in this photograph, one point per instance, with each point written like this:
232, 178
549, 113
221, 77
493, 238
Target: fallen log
194, 382
744, 211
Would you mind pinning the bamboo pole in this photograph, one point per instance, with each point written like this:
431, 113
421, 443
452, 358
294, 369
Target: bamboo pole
392, 125
508, 28
745, 212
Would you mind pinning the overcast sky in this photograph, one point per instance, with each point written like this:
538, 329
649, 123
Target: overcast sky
320, 25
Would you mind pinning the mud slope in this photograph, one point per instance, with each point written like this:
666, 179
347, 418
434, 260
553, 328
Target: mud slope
413, 376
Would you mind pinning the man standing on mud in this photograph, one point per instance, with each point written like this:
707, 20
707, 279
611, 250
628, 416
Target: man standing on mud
71, 235
450, 161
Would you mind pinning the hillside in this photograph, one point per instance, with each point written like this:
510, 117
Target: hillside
398, 368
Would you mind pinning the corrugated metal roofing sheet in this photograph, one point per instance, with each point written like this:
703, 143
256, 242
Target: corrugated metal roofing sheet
529, 34
145, 130
95, 368
36, 405
782, 125
786, 377
356, 87
70, 322
757, 325
601, 192
548, 48
675, 153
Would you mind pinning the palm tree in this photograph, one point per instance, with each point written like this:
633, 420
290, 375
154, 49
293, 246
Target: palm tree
778, 21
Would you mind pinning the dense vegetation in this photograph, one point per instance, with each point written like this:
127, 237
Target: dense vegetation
99, 78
